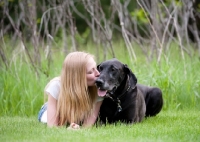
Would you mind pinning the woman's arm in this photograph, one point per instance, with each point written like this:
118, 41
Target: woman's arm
52, 120
92, 119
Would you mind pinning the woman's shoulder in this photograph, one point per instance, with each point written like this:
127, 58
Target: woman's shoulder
53, 87
55, 80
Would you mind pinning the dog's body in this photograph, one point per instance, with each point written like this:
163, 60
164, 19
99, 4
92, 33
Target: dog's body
125, 100
153, 99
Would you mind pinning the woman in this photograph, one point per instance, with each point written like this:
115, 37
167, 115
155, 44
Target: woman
72, 97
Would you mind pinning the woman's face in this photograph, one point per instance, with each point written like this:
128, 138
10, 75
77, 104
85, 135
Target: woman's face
91, 73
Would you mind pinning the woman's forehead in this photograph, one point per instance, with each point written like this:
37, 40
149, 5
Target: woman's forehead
91, 63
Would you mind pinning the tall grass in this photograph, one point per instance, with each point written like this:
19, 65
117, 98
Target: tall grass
21, 90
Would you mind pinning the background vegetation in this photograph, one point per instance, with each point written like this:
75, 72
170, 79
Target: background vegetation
153, 25
22, 89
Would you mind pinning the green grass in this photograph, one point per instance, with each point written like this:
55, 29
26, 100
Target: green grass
168, 126
21, 96
21, 90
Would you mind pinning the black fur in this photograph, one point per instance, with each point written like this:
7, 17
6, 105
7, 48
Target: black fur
136, 100
120, 83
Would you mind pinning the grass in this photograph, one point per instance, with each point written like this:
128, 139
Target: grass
173, 126
21, 91
21, 96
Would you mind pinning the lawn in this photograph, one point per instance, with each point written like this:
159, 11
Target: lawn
21, 96
167, 126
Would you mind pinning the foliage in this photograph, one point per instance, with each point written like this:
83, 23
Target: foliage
140, 16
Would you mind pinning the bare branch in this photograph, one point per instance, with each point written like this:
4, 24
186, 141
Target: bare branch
118, 7
22, 40
2, 53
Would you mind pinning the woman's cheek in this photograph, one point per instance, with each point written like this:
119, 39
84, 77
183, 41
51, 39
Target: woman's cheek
91, 80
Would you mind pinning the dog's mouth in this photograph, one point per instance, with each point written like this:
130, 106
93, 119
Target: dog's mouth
101, 92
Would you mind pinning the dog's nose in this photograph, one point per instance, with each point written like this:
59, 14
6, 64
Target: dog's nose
99, 82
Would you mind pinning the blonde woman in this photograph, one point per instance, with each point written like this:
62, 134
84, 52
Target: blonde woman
72, 97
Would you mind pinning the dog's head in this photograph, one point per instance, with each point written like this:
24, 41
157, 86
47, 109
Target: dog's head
112, 73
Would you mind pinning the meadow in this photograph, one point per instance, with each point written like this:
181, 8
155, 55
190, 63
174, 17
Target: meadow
21, 96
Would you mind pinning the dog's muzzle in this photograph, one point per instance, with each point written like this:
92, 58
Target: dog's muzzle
101, 88
99, 83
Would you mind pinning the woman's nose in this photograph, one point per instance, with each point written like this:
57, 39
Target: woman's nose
97, 73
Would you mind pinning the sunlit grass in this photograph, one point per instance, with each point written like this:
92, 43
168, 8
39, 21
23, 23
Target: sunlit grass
173, 126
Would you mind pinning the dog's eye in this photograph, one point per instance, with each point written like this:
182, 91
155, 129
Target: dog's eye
100, 68
113, 69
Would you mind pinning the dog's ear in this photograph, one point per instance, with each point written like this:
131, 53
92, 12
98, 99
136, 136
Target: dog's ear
98, 66
128, 71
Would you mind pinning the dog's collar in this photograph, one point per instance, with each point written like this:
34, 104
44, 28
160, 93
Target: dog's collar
117, 100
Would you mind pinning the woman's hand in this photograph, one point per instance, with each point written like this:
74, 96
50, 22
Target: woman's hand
73, 126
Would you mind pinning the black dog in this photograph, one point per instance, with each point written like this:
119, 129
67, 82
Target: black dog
124, 100
153, 99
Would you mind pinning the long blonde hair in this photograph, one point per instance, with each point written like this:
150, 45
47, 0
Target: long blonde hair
76, 99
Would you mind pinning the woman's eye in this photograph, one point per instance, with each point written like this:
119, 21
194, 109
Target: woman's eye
89, 72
